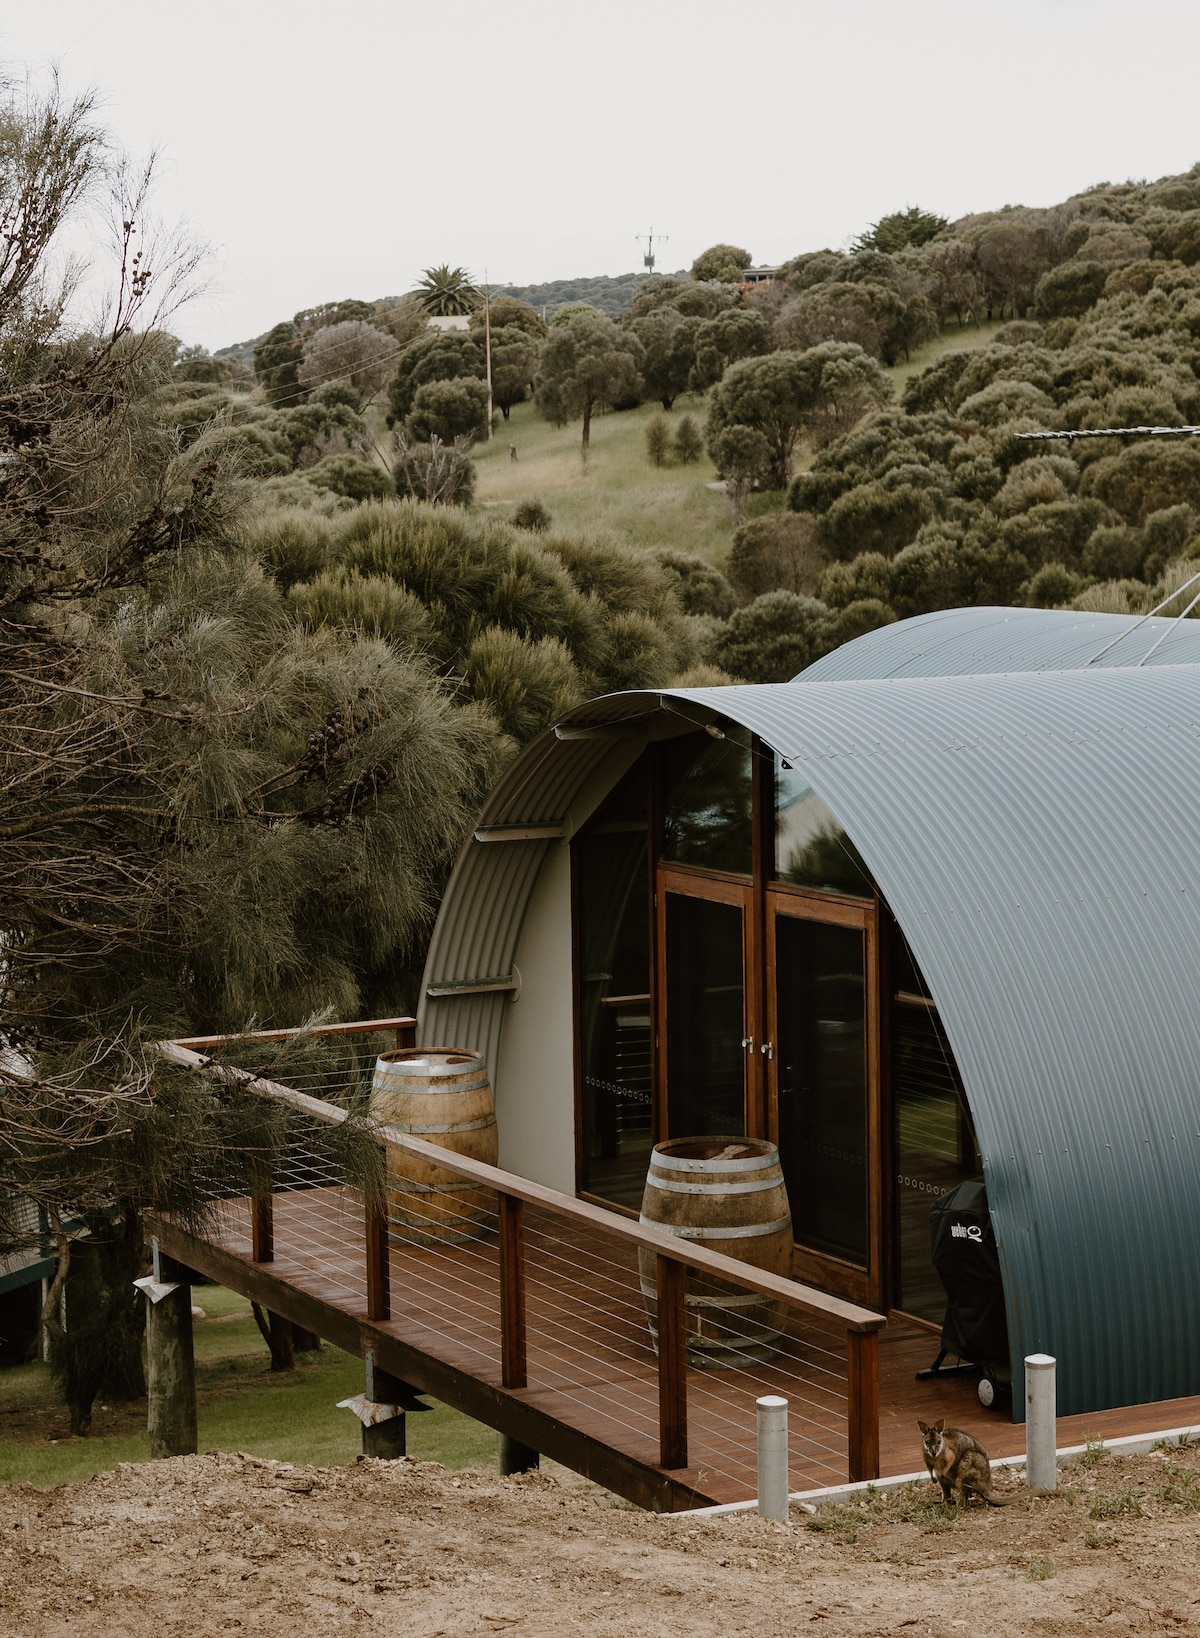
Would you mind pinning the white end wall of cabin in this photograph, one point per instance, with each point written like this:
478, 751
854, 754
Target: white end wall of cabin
534, 1081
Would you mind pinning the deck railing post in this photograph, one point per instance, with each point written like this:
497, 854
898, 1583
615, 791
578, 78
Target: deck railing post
262, 1226
513, 1364
862, 1404
672, 1364
406, 1035
379, 1281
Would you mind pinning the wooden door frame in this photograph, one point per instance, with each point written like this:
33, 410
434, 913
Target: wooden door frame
690, 882
831, 1273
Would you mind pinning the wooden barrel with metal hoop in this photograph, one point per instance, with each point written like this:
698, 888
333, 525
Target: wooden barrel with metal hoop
444, 1097
727, 1194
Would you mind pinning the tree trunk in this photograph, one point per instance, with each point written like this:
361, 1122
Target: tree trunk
587, 424
277, 1334
305, 1342
667, 402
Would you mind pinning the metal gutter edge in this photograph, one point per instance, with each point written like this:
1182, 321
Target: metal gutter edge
1134, 1444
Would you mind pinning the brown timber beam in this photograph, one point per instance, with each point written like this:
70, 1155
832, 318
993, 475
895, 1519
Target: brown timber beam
513, 1413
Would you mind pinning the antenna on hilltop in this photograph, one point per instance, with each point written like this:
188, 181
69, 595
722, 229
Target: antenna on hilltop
647, 239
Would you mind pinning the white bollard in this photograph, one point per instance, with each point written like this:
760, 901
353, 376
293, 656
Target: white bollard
1041, 1432
772, 1457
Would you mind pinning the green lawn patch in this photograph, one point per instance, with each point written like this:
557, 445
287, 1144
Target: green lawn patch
241, 1405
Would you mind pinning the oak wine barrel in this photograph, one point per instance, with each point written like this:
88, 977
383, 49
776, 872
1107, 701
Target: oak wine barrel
728, 1194
444, 1097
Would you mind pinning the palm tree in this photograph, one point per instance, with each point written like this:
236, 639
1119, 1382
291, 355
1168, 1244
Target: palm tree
447, 292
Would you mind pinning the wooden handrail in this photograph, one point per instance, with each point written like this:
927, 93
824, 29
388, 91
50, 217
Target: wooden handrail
367, 1026
694, 1256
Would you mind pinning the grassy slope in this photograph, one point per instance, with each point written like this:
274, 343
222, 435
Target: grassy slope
617, 489
292, 1416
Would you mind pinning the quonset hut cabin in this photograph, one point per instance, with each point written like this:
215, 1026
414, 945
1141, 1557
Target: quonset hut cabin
923, 914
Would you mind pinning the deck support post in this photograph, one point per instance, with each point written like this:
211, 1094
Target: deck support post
379, 1273
386, 1440
513, 1362
406, 1034
262, 1226
862, 1407
170, 1361
516, 1457
672, 1364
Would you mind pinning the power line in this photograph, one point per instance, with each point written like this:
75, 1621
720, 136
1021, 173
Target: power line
1113, 432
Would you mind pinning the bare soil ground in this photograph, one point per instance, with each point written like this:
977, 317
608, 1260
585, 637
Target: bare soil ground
212, 1544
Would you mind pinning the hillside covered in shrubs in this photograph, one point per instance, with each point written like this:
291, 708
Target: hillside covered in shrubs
854, 501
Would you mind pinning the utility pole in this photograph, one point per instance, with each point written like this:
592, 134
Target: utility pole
647, 239
487, 345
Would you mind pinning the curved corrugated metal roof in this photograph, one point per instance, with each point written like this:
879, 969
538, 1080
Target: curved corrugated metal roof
966, 642
1038, 838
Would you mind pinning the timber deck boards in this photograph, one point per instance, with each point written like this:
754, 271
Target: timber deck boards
591, 1366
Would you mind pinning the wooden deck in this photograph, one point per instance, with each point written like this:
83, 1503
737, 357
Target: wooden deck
592, 1394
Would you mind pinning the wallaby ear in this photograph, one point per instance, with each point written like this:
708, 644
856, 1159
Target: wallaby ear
924, 1426
940, 1424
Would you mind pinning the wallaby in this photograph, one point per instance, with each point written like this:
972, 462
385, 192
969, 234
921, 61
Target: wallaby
960, 1465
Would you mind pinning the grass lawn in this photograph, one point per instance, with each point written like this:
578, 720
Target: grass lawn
617, 490
952, 340
292, 1416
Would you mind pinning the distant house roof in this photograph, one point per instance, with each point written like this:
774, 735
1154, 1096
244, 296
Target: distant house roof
967, 642
758, 275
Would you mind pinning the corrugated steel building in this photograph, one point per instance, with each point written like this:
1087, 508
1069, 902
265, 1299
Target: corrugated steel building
928, 909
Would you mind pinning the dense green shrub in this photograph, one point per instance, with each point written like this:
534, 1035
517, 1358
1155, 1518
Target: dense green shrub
371, 604
347, 475
442, 355
451, 409
699, 588
520, 627
875, 518
1147, 477
777, 552
1070, 289
531, 514
773, 638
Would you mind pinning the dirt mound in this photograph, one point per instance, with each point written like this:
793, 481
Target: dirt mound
218, 1543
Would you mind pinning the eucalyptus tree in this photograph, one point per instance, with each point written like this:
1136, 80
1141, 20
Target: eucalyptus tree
585, 363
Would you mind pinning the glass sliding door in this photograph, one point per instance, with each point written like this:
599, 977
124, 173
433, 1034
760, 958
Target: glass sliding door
704, 1037
612, 911
823, 1059
934, 1141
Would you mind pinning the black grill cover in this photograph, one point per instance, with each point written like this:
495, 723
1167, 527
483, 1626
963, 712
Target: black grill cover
968, 1265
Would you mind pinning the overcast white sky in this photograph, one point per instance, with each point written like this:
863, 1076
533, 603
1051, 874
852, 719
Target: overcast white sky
328, 150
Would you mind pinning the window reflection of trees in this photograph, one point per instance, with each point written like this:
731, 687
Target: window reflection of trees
811, 848
708, 802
